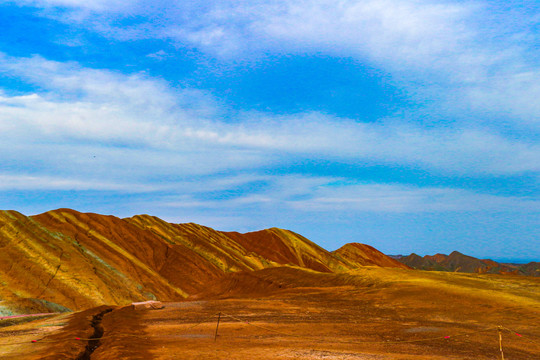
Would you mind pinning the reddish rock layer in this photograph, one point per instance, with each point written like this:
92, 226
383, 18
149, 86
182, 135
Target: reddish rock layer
365, 255
458, 262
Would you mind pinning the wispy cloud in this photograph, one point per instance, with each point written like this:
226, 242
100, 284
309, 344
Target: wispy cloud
510, 95
473, 55
445, 46
134, 119
95, 5
44, 183
409, 199
159, 55
470, 150
327, 194
402, 33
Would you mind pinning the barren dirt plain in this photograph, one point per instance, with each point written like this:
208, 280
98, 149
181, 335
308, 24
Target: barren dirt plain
293, 313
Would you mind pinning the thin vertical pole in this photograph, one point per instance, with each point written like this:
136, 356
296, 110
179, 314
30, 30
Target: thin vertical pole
217, 327
500, 343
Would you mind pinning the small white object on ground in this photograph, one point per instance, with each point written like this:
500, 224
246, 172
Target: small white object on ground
147, 305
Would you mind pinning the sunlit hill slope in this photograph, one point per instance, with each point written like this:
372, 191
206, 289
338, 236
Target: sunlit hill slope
65, 260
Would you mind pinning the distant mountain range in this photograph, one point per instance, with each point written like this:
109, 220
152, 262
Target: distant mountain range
458, 262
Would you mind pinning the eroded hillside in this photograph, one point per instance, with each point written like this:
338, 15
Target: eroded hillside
66, 260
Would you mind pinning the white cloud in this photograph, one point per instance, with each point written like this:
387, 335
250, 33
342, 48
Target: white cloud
103, 86
94, 5
135, 122
471, 54
441, 43
327, 194
469, 150
99, 105
159, 55
33, 182
420, 34
511, 94
107, 127
399, 198
394, 31
400, 33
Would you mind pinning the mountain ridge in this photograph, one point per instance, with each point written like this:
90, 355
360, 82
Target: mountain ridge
67, 260
458, 262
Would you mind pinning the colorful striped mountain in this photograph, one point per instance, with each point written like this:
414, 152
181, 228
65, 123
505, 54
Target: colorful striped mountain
66, 260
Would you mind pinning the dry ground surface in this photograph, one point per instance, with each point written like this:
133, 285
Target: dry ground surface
376, 313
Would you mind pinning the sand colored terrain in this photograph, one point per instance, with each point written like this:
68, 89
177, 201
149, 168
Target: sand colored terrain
293, 313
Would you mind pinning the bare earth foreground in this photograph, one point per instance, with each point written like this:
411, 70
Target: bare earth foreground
289, 313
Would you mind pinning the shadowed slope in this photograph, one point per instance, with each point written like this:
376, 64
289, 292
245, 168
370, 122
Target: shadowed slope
364, 255
273, 280
458, 262
288, 248
167, 270
415, 261
214, 246
530, 269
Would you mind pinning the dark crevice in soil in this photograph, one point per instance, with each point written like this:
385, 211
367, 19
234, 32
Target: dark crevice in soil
95, 342
49, 282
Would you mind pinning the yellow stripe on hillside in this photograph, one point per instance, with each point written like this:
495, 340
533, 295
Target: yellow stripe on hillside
122, 251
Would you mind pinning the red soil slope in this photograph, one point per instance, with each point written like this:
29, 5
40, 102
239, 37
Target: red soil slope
458, 262
287, 247
365, 255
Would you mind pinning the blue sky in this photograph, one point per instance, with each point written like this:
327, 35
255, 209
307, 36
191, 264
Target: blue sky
412, 125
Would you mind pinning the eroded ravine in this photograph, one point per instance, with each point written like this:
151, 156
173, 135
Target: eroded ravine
95, 340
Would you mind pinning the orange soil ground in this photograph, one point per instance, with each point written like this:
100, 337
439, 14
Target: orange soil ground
375, 314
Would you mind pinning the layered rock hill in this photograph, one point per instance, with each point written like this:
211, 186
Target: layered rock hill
362, 254
66, 260
458, 262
